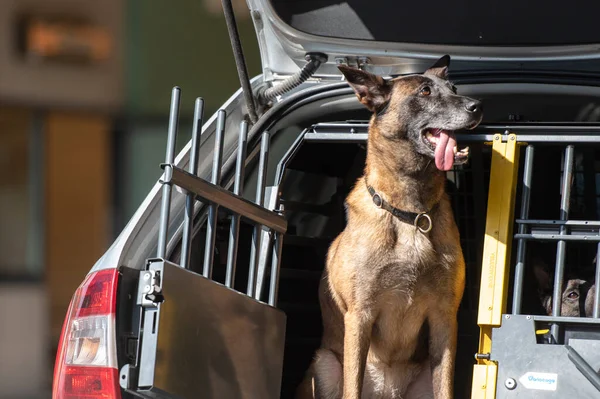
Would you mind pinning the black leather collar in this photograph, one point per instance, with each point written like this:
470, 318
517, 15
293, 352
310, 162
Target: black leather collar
421, 221
383, 109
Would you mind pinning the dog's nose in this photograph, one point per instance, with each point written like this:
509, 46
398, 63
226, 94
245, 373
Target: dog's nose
473, 106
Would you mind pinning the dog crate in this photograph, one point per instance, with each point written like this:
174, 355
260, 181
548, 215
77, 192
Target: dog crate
521, 353
234, 310
524, 353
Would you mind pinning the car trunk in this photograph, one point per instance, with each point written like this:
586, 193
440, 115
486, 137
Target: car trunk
393, 37
319, 174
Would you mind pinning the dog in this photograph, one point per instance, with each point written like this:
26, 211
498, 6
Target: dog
577, 296
394, 278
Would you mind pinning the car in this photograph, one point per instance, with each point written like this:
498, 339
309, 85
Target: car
210, 290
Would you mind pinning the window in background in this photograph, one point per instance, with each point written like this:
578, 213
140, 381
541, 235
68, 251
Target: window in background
21, 188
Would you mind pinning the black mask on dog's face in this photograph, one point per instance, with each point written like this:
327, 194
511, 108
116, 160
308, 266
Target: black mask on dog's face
423, 109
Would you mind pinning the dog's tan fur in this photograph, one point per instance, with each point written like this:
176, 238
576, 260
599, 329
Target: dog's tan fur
390, 294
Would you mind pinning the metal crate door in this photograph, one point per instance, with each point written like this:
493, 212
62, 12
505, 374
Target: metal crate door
531, 356
199, 338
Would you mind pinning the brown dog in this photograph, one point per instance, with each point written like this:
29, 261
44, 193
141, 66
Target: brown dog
395, 276
577, 294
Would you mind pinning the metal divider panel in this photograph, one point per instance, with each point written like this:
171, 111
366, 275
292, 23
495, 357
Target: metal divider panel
213, 341
531, 370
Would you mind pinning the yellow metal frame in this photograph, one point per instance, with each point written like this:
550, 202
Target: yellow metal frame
496, 256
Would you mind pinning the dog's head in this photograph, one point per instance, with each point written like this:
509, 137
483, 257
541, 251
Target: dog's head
422, 109
577, 294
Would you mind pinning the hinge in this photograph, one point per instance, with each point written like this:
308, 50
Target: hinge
355, 62
150, 288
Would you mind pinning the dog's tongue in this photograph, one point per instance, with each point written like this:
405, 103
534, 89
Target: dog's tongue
444, 151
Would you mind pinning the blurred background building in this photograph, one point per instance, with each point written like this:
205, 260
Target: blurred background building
84, 97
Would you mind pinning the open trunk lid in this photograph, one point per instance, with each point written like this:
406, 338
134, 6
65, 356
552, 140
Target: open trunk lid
394, 36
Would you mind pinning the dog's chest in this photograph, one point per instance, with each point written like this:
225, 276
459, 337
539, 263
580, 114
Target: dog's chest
414, 264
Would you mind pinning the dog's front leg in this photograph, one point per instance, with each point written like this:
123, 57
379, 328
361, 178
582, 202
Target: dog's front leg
443, 328
357, 338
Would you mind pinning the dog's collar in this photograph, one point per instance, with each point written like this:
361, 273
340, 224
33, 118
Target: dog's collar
383, 109
416, 219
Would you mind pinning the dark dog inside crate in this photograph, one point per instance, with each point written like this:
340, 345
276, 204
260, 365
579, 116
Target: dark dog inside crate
578, 289
545, 204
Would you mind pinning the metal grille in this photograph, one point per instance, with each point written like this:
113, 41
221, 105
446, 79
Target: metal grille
218, 306
554, 222
265, 220
564, 231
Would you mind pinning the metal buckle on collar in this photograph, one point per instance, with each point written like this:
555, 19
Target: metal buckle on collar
429, 222
377, 200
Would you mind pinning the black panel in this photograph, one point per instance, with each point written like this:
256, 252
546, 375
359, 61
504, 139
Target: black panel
463, 22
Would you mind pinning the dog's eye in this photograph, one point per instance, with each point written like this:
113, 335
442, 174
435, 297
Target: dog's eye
425, 91
573, 295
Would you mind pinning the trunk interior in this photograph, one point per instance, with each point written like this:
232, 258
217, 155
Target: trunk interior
320, 175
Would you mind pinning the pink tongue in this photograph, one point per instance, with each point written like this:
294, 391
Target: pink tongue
444, 151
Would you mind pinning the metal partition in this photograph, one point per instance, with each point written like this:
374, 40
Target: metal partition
511, 343
530, 356
199, 338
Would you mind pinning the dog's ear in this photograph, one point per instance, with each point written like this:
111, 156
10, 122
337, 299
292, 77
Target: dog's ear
544, 284
372, 90
440, 68
542, 275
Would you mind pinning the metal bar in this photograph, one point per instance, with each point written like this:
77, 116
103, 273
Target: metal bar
589, 179
565, 320
329, 137
211, 221
522, 244
556, 237
558, 138
165, 206
596, 312
265, 248
234, 230
266, 242
275, 267
336, 137
287, 157
260, 196
211, 193
577, 223
584, 367
573, 230
561, 247
186, 246
554, 127
238, 55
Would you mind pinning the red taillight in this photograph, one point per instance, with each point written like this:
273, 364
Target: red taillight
91, 382
86, 362
98, 294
